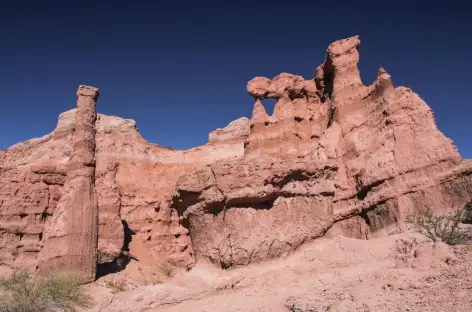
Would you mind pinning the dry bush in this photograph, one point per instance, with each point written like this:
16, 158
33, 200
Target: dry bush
22, 292
468, 213
104, 256
167, 269
445, 228
295, 308
156, 281
116, 285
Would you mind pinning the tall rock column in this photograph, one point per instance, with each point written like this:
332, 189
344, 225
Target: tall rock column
71, 237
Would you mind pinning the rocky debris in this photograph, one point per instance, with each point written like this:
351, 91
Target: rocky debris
71, 238
335, 158
309, 280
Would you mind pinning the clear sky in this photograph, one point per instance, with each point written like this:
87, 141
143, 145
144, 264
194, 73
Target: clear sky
180, 68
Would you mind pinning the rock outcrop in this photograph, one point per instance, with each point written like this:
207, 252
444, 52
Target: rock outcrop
235, 131
336, 157
71, 235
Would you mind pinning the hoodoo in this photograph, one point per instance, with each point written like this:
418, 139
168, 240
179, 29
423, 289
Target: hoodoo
71, 234
336, 157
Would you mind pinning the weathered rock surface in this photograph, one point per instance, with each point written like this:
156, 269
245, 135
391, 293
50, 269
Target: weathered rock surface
236, 130
71, 234
402, 272
336, 157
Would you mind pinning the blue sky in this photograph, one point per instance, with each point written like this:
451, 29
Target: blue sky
180, 68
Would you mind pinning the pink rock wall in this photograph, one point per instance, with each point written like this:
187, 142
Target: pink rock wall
335, 158
32, 175
71, 234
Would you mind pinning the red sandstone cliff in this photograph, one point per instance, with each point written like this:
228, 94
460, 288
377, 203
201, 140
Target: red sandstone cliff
336, 157
71, 235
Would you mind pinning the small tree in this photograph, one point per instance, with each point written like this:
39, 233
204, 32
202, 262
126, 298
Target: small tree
445, 228
22, 292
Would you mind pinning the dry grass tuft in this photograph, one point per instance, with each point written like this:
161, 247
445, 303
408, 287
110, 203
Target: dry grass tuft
22, 292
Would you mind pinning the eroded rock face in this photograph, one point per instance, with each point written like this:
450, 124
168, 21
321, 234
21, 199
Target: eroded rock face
335, 158
32, 175
236, 130
71, 235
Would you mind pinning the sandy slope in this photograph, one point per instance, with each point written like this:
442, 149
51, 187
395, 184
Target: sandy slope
395, 273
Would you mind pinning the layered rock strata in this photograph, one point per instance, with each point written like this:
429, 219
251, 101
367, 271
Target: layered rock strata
335, 158
71, 234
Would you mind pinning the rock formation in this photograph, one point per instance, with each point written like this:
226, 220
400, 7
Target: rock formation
336, 157
71, 235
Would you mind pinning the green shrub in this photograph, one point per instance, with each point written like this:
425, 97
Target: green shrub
445, 228
468, 213
22, 292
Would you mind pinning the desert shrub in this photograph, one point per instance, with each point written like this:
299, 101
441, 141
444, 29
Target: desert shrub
167, 269
116, 285
468, 213
294, 308
295, 305
169, 148
445, 228
104, 257
22, 292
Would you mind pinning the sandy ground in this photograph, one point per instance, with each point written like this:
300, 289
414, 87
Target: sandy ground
401, 272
